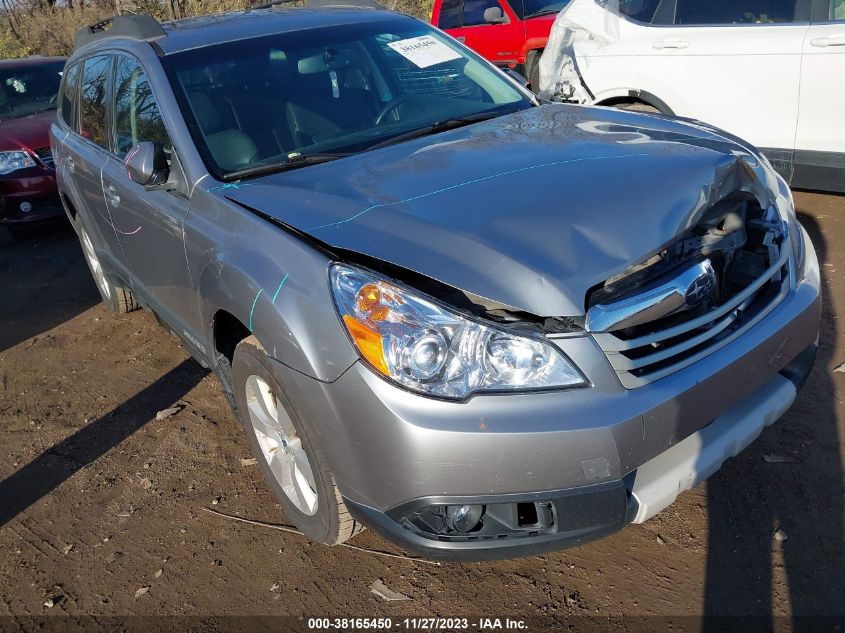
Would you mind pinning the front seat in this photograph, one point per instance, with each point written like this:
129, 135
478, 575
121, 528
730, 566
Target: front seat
231, 148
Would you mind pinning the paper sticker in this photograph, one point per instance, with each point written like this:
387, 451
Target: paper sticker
424, 51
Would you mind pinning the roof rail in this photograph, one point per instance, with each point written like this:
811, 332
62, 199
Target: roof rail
323, 4
132, 26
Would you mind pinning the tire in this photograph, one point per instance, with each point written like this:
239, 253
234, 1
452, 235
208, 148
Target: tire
637, 106
534, 72
288, 452
118, 298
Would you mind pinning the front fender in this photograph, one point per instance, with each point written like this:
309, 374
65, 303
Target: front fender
273, 283
532, 44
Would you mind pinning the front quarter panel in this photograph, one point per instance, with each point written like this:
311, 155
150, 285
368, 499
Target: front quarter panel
273, 282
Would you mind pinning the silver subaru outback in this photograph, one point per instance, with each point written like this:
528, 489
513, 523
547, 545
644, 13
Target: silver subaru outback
480, 325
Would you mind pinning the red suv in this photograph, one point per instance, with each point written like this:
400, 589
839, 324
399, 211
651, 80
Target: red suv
28, 93
511, 33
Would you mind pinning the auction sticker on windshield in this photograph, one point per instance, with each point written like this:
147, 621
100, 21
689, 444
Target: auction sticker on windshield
424, 51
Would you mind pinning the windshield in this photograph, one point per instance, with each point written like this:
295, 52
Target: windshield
29, 89
331, 91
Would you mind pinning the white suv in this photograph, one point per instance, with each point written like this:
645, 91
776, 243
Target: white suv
769, 71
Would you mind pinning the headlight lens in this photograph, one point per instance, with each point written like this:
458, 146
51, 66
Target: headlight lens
796, 234
786, 207
432, 349
12, 161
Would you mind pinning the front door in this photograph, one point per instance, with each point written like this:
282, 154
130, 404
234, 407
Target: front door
151, 221
498, 42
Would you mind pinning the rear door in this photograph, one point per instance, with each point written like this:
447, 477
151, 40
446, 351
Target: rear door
150, 221
499, 43
733, 63
85, 152
820, 143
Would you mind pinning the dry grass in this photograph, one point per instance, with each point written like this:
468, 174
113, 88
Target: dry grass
39, 28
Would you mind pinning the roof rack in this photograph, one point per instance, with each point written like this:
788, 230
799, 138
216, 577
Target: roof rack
323, 4
132, 26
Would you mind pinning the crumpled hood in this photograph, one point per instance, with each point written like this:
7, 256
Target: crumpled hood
530, 210
29, 132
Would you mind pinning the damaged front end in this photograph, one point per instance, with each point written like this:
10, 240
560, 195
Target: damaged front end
697, 295
596, 21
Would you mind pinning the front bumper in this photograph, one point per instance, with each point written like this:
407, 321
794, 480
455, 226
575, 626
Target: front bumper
35, 188
587, 513
587, 452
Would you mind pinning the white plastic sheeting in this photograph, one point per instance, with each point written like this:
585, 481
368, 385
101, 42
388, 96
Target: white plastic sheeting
579, 21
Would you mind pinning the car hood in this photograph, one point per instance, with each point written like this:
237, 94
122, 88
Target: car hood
529, 210
31, 131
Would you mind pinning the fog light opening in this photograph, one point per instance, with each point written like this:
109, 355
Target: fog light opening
26, 207
463, 518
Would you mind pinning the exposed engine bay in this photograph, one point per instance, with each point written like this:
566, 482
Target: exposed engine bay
694, 296
739, 239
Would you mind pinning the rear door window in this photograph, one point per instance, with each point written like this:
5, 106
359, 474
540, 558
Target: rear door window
93, 99
735, 12
639, 10
837, 10
136, 114
69, 101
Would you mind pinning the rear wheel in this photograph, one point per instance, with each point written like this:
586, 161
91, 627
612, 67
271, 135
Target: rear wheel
120, 299
292, 461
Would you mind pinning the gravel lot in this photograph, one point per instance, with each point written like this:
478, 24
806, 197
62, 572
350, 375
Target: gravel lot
103, 507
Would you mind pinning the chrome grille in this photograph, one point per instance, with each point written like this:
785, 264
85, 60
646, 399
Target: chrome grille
45, 155
646, 358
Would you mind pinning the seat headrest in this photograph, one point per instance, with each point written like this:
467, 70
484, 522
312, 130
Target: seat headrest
206, 114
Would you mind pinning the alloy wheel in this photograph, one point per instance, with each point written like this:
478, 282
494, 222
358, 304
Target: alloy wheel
281, 446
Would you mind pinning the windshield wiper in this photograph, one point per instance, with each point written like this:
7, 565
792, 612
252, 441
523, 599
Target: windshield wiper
293, 162
436, 127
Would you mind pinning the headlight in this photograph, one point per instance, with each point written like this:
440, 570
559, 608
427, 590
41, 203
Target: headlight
796, 234
427, 347
12, 161
786, 208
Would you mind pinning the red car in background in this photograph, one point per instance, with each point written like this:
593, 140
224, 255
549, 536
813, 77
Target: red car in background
509, 33
28, 93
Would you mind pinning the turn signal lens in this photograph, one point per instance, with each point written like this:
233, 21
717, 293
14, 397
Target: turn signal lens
369, 297
368, 342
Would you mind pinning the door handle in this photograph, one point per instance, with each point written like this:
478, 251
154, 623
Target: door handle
112, 195
670, 44
824, 42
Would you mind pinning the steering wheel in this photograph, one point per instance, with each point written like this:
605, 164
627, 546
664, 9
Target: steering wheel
389, 107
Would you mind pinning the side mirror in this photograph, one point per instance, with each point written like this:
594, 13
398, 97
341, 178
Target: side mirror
494, 15
146, 164
517, 77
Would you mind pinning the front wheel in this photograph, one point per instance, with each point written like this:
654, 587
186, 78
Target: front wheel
292, 461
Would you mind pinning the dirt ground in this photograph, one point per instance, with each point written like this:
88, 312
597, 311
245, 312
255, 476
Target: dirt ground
103, 506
